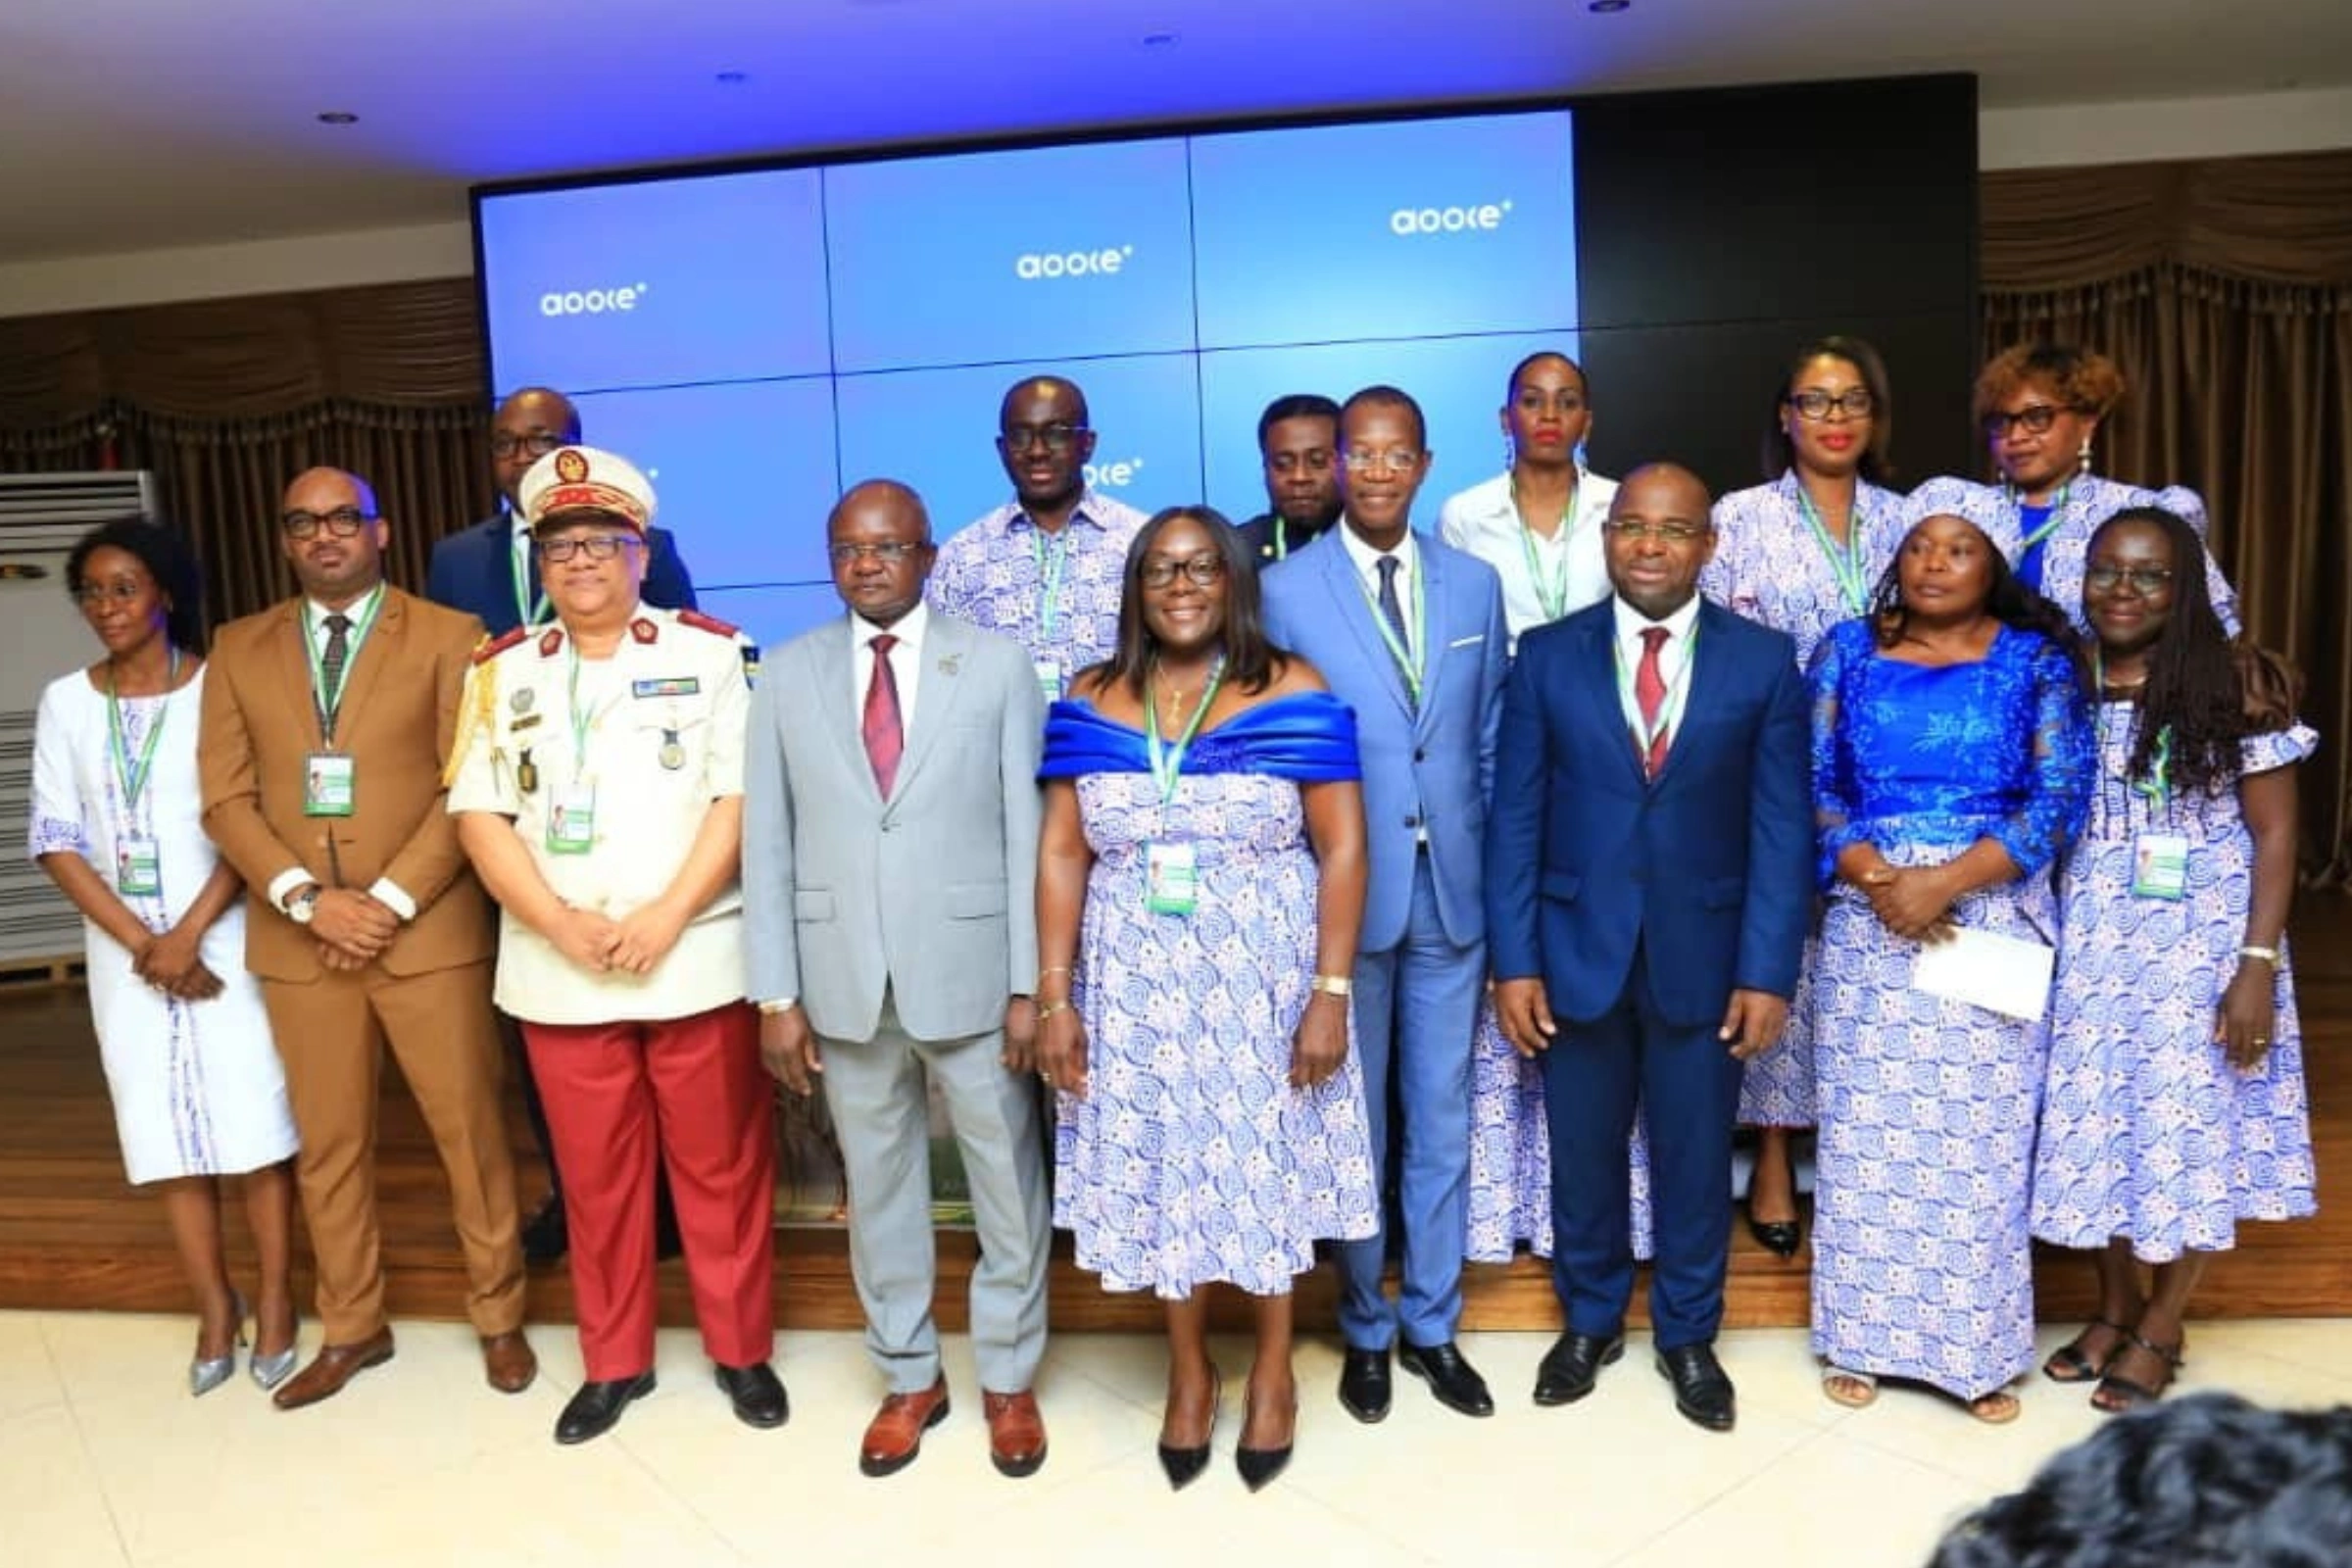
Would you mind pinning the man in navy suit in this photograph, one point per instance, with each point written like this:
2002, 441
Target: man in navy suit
1649, 884
1409, 633
490, 571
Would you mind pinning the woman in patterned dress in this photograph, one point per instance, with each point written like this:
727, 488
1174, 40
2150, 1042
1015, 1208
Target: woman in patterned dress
1801, 554
1952, 757
197, 1087
1200, 886
2174, 1105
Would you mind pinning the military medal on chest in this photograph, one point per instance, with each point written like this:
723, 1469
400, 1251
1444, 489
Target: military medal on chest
526, 773
672, 755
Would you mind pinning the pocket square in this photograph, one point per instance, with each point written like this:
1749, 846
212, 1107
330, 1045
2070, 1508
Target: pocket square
1465, 642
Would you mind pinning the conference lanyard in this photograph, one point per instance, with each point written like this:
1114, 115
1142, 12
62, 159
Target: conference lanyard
1678, 693
2157, 787
2049, 522
1846, 564
329, 706
1551, 593
1410, 663
1167, 759
532, 610
1053, 561
135, 778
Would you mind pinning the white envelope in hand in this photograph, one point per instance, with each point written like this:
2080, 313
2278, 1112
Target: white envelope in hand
1986, 970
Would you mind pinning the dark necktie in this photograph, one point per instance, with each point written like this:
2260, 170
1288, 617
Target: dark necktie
885, 735
1649, 694
331, 662
1393, 607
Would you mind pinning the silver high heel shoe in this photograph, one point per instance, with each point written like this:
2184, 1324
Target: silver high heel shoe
206, 1375
271, 1370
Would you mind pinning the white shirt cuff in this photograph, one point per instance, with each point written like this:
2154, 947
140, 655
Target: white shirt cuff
286, 882
387, 892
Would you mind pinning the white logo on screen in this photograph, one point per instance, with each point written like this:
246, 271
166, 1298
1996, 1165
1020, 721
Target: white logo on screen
1032, 266
1472, 218
618, 299
1115, 475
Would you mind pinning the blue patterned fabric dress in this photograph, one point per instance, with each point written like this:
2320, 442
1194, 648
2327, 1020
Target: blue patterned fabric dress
1768, 566
1920, 1251
2147, 1132
1191, 1159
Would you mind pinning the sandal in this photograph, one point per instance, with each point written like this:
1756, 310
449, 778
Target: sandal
1853, 1390
2071, 1363
1995, 1409
2116, 1394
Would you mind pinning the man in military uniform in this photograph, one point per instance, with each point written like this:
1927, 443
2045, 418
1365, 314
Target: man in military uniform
598, 787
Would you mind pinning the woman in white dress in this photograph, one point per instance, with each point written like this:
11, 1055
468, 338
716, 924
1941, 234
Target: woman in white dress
197, 1086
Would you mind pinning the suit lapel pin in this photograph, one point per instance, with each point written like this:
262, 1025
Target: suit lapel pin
950, 664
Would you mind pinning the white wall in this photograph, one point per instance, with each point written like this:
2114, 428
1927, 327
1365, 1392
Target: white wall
2053, 136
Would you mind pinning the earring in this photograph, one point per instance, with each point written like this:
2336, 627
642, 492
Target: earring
1510, 454
2083, 458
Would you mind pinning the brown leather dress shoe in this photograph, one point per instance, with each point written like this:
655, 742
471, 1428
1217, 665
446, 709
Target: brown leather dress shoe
1016, 1432
509, 1361
335, 1365
894, 1436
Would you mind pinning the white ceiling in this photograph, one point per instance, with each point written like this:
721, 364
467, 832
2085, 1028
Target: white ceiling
130, 123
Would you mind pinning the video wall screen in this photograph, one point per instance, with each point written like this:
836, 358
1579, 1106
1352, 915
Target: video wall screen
761, 340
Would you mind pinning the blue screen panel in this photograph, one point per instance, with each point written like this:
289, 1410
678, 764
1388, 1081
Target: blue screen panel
743, 474
774, 616
1401, 230
1010, 256
1459, 384
713, 279
936, 430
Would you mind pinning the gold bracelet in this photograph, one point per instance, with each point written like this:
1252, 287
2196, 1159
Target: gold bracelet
1060, 968
1332, 985
2268, 955
1046, 1010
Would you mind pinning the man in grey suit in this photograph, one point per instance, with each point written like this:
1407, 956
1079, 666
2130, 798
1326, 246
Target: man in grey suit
890, 863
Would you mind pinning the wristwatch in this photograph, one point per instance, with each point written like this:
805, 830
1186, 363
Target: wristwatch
301, 905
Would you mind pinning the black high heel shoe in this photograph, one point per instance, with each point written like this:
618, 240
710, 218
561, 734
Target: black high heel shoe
1183, 1466
1781, 1238
1258, 1466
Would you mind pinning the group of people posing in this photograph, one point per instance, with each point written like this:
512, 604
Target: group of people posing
1320, 883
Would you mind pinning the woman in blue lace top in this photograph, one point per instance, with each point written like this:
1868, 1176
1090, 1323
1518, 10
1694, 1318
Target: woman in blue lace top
1951, 758
1200, 886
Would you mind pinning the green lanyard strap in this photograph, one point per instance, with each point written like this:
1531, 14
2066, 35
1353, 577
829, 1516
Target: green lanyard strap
532, 610
1552, 594
328, 704
134, 776
1677, 692
1166, 760
1845, 565
2049, 522
1409, 666
1053, 561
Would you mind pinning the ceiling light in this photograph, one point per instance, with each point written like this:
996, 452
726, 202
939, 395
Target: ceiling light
1608, 7
337, 117
732, 79
1161, 40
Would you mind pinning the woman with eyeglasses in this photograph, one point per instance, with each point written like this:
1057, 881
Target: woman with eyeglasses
1200, 886
1952, 762
1801, 554
2040, 407
2174, 1105
190, 1065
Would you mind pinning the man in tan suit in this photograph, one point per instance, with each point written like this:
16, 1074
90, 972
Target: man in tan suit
326, 722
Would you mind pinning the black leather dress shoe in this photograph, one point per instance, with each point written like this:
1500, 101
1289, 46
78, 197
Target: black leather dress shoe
592, 1412
1364, 1384
1781, 1238
1703, 1389
1454, 1380
545, 1237
757, 1393
1573, 1365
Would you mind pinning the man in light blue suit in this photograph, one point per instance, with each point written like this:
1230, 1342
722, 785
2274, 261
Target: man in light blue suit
1409, 633
1648, 885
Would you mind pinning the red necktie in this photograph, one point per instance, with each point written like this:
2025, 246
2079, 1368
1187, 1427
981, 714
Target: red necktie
885, 736
1649, 692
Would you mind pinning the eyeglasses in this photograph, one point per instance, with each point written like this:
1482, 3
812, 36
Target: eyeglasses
1673, 533
539, 443
889, 554
343, 522
1205, 571
1400, 460
2036, 418
598, 545
1856, 403
98, 593
1059, 436
2144, 580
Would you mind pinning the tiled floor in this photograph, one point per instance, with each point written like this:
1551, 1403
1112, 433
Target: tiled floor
104, 1459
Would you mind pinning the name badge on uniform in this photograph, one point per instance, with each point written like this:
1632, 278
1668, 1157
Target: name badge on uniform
138, 868
1049, 678
1172, 878
329, 785
572, 821
2160, 866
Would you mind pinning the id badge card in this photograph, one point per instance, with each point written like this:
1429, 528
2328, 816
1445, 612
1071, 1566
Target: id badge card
572, 821
2160, 866
1171, 879
138, 868
328, 785
1049, 678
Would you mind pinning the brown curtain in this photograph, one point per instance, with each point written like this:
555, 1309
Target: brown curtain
2224, 292
227, 400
